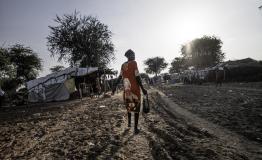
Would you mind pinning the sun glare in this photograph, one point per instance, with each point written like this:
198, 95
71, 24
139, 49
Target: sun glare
190, 29
186, 28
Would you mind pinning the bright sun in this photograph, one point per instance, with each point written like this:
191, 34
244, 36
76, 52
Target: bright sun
190, 29
187, 28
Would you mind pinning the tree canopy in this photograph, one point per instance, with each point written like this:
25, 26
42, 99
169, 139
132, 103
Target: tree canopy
57, 68
81, 39
4, 60
203, 52
178, 64
18, 65
155, 65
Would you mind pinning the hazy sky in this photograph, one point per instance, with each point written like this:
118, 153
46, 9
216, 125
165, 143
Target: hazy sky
149, 27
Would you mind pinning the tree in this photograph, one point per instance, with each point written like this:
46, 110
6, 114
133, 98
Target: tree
4, 61
203, 52
155, 65
57, 68
26, 62
21, 64
81, 39
4, 65
178, 64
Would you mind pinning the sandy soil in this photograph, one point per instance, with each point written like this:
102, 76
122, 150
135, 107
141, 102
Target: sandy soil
97, 129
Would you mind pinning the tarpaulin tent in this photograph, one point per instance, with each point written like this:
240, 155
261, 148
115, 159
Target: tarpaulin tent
56, 86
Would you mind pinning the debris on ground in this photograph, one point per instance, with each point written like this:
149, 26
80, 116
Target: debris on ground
97, 128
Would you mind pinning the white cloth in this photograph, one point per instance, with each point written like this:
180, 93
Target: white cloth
59, 77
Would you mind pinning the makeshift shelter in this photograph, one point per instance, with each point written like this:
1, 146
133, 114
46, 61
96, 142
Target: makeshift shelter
247, 70
56, 86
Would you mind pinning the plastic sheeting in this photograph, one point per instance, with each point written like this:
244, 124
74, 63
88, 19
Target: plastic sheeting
53, 92
56, 92
56, 86
58, 77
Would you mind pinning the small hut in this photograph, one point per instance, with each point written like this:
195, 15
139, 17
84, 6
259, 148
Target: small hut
56, 86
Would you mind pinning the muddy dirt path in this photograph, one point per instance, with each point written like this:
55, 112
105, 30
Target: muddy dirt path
250, 149
237, 109
182, 138
97, 129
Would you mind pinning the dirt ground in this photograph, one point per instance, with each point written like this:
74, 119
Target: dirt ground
97, 129
237, 107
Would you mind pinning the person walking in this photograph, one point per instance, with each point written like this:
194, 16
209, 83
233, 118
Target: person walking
132, 84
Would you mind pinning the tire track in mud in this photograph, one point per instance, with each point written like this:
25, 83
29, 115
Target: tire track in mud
172, 137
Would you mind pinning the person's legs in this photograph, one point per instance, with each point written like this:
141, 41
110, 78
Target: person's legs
129, 118
136, 122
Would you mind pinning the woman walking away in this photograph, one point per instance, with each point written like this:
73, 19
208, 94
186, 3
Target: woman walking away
132, 84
